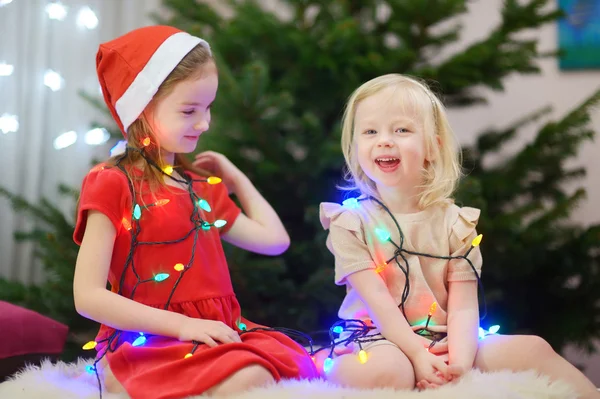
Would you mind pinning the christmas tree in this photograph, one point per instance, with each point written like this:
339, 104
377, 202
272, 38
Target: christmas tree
283, 82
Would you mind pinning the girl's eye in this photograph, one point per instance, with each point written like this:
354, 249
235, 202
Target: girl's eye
370, 131
402, 130
188, 112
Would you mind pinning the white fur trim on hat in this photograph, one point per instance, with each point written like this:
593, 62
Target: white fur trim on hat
139, 94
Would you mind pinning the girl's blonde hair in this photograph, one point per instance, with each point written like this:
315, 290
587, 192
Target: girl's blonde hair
441, 175
192, 66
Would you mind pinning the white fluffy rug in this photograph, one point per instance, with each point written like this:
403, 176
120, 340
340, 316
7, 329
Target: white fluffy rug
70, 381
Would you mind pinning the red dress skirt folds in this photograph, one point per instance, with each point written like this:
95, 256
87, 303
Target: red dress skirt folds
172, 247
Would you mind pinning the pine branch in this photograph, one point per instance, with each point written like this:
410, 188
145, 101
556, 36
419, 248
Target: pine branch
490, 60
491, 141
63, 189
423, 16
20, 204
537, 169
518, 15
559, 212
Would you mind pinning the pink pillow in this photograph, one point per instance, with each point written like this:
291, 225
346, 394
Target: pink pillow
23, 331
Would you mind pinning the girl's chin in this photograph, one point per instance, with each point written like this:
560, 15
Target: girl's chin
186, 148
394, 184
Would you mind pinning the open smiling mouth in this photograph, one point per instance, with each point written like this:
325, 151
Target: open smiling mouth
387, 164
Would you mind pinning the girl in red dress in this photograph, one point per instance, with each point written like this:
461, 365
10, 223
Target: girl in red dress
151, 224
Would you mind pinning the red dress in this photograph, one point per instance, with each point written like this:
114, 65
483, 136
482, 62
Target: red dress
158, 369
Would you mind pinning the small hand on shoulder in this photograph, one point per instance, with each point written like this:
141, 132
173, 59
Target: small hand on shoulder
221, 166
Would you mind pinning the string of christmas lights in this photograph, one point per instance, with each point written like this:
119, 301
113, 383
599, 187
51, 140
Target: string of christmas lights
358, 332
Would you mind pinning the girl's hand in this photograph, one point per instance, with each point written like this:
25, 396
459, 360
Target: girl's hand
423, 385
207, 331
220, 166
454, 373
431, 369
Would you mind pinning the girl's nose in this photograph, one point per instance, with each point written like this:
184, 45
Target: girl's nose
201, 126
385, 140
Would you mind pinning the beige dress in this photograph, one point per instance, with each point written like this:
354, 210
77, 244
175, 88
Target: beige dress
444, 229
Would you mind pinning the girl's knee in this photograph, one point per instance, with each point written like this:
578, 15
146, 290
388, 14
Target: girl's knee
256, 375
524, 352
394, 369
395, 379
242, 380
374, 378
252, 376
534, 346
386, 368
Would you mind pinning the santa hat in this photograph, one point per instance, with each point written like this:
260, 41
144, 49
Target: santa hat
132, 67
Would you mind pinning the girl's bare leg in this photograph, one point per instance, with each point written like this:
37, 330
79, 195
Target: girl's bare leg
529, 352
387, 367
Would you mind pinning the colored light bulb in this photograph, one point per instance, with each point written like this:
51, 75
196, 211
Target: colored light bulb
383, 235
141, 340
168, 170
432, 308
214, 180
90, 345
179, 267
327, 365
161, 202
202, 203
338, 329
477, 240
220, 223
351, 203
137, 212
126, 224
362, 356
161, 277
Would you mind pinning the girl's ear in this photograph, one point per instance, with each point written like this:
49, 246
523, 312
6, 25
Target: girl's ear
432, 152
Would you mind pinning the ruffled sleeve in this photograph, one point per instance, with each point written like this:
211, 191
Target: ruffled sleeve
106, 190
463, 223
345, 241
